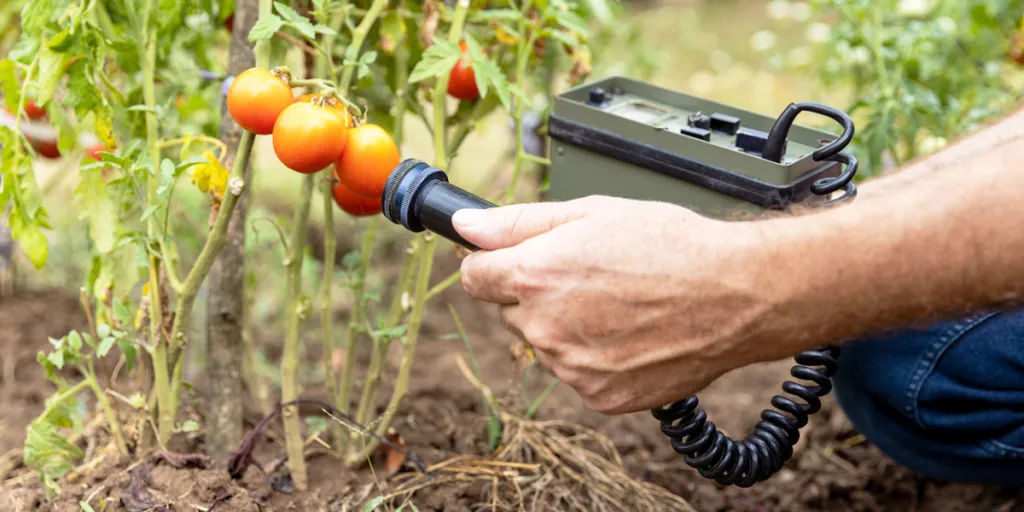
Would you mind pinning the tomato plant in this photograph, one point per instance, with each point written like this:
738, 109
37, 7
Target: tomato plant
309, 137
462, 80
257, 98
148, 78
369, 157
921, 73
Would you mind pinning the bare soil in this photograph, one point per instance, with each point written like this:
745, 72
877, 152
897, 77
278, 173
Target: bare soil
443, 417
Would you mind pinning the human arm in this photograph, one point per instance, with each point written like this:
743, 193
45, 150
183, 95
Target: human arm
637, 304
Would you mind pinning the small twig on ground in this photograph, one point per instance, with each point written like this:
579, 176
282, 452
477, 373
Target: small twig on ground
242, 458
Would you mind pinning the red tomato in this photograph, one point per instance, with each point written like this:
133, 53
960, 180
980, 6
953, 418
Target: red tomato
93, 151
308, 138
229, 22
462, 80
46, 148
354, 204
34, 111
256, 98
369, 157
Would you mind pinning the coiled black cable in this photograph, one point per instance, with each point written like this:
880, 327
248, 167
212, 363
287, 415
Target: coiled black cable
769, 446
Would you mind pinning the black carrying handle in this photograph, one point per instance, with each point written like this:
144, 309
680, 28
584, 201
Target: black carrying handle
832, 152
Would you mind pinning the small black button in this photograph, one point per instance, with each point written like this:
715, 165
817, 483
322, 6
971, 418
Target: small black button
751, 140
698, 120
724, 123
697, 133
597, 96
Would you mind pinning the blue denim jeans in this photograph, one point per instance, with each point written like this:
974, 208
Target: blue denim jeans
946, 400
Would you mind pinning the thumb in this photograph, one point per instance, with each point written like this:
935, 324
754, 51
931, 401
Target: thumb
506, 226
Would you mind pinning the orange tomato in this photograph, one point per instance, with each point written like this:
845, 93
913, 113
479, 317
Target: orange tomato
355, 204
256, 98
308, 138
462, 79
369, 157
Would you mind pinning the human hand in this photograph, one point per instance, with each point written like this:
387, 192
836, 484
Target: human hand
633, 304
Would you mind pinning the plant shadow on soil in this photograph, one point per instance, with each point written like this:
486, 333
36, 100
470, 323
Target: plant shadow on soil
443, 417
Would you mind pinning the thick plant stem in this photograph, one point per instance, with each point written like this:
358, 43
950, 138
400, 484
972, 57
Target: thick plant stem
326, 295
426, 258
165, 405
290, 357
225, 321
325, 68
108, 411
355, 322
214, 243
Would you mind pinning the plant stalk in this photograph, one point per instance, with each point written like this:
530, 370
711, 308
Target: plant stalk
108, 411
290, 357
358, 36
355, 323
426, 259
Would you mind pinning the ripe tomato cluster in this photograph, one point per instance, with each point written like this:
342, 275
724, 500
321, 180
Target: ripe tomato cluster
313, 132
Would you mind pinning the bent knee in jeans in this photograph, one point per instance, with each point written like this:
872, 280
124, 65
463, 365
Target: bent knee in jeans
946, 400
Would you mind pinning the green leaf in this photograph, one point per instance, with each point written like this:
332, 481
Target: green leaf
496, 15
567, 39
57, 358
351, 260
190, 426
305, 28
286, 12
75, 341
487, 73
51, 69
436, 61
85, 506
324, 29
265, 28
185, 164
105, 346
149, 211
9, 84
130, 352
61, 42
572, 22
122, 313
97, 206
372, 504
368, 57
34, 244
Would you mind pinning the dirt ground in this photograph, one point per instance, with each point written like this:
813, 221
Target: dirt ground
833, 469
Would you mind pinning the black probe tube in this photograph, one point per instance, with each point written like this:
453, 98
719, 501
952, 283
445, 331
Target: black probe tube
419, 197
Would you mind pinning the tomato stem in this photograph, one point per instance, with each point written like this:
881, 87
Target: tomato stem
108, 411
425, 257
294, 311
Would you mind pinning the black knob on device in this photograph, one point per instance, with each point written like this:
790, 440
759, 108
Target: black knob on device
419, 197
